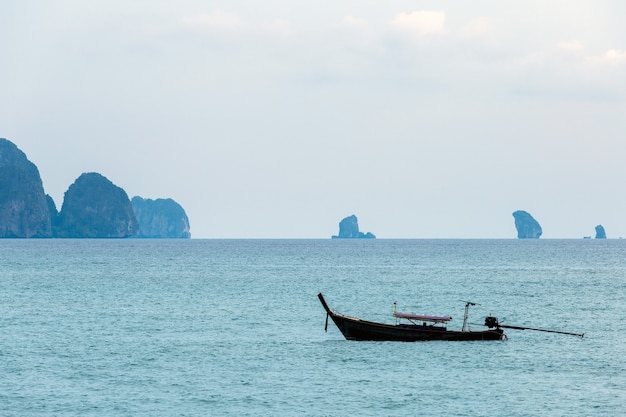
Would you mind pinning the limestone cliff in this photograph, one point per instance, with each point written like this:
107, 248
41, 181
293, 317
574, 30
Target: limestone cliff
23, 207
349, 229
94, 207
527, 227
54, 215
160, 218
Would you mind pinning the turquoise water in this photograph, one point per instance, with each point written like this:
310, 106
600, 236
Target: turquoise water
234, 327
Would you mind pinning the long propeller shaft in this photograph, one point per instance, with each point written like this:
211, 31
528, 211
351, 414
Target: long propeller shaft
540, 330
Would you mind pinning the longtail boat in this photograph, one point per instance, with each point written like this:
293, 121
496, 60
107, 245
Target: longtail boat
418, 327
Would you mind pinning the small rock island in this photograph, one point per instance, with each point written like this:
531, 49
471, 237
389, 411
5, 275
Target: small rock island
162, 218
600, 232
349, 229
527, 227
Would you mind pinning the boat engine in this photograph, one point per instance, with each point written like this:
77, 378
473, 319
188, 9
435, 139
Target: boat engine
491, 322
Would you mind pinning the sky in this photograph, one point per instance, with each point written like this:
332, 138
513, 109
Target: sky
277, 119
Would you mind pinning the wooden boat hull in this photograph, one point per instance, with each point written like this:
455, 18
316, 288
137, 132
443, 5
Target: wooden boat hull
357, 329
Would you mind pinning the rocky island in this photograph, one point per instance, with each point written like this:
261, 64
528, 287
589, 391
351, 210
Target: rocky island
349, 229
23, 203
95, 207
527, 227
160, 218
600, 232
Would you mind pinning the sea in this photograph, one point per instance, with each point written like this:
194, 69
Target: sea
235, 328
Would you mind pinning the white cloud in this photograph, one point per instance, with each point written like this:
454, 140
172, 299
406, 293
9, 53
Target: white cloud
360, 28
615, 55
609, 59
356, 33
352, 22
217, 21
479, 27
571, 46
420, 23
280, 27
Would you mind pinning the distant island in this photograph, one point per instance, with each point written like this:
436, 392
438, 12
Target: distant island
526, 225
23, 203
93, 207
160, 218
349, 229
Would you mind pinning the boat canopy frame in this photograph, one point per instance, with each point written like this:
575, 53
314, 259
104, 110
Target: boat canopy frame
423, 318
413, 318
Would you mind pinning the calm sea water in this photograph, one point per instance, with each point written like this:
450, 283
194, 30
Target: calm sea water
234, 328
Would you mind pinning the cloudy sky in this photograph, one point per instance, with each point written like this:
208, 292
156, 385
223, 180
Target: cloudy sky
276, 119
